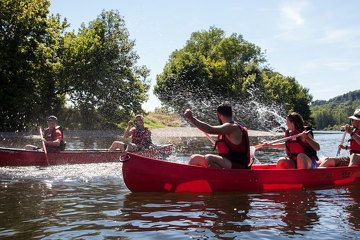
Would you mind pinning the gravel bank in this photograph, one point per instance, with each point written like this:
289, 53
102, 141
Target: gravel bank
158, 132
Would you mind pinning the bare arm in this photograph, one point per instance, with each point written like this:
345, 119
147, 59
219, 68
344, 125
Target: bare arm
311, 141
128, 132
226, 128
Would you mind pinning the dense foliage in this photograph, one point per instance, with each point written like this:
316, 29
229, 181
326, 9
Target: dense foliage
213, 68
42, 66
332, 114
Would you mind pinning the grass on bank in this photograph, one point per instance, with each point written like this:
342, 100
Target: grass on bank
158, 120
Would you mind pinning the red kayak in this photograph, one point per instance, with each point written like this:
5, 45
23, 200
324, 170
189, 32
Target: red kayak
20, 157
143, 174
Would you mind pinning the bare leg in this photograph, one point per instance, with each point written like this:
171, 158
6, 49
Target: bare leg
198, 160
285, 163
354, 160
116, 145
328, 162
31, 147
303, 161
131, 147
215, 161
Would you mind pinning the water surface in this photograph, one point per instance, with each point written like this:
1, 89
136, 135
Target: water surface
91, 201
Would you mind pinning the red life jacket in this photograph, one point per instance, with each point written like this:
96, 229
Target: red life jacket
52, 135
294, 146
239, 155
354, 146
139, 139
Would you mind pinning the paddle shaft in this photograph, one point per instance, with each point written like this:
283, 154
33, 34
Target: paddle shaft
211, 140
44, 146
341, 143
164, 155
280, 140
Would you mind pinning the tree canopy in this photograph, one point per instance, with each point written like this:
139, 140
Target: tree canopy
43, 67
212, 68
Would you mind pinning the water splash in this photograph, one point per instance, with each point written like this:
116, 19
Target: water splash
253, 112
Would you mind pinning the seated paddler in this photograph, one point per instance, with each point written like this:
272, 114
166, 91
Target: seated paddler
53, 137
140, 137
301, 150
232, 144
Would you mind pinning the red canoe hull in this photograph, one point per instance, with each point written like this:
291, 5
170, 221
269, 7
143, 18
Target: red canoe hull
143, 174
19, 157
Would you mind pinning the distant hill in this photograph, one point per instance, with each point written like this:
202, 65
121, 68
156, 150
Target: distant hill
334, 113
350, 96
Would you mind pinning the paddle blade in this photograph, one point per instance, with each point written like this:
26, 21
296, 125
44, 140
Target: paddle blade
338, 152
252, 152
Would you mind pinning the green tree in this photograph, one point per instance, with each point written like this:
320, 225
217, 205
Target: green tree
29, 62
100, 74
213, 68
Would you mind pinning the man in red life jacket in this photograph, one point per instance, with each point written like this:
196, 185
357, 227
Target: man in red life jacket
354, 147
52, 137
301, 150
141, 137
233, 142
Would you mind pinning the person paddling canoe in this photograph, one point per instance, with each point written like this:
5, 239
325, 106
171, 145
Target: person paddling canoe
232, 144
301, 150
354, 147
53, 137
141, 137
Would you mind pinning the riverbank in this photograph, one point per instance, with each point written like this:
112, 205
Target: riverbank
156, 132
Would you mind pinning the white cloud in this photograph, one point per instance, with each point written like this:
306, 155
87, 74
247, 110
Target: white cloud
292, 12
292, 20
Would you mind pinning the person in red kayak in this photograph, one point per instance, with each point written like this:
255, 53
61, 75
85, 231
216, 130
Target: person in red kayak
141, 137
232, 144
354, 147
53, 137
301, 150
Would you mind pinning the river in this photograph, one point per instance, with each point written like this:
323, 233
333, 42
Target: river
91, 201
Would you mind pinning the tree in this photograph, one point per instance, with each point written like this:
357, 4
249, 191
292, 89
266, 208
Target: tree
212, 68
29, 62
100, 74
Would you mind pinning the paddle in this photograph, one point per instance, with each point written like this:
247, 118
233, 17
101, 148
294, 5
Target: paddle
279, 140
341, 143
211, 140
43, 144
163, 155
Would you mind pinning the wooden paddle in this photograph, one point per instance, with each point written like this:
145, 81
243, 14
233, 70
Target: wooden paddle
44, 146
341, 143
163, 155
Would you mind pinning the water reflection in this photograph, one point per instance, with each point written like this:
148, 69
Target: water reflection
353, 207
299, 210
217, 213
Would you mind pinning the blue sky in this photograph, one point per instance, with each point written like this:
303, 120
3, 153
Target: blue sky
317, 42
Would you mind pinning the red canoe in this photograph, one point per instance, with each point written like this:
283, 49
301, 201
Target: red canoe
142, 174
20, 157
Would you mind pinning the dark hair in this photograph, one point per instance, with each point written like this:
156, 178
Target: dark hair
225, 109
297, 119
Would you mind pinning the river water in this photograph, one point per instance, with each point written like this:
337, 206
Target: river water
91, 201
